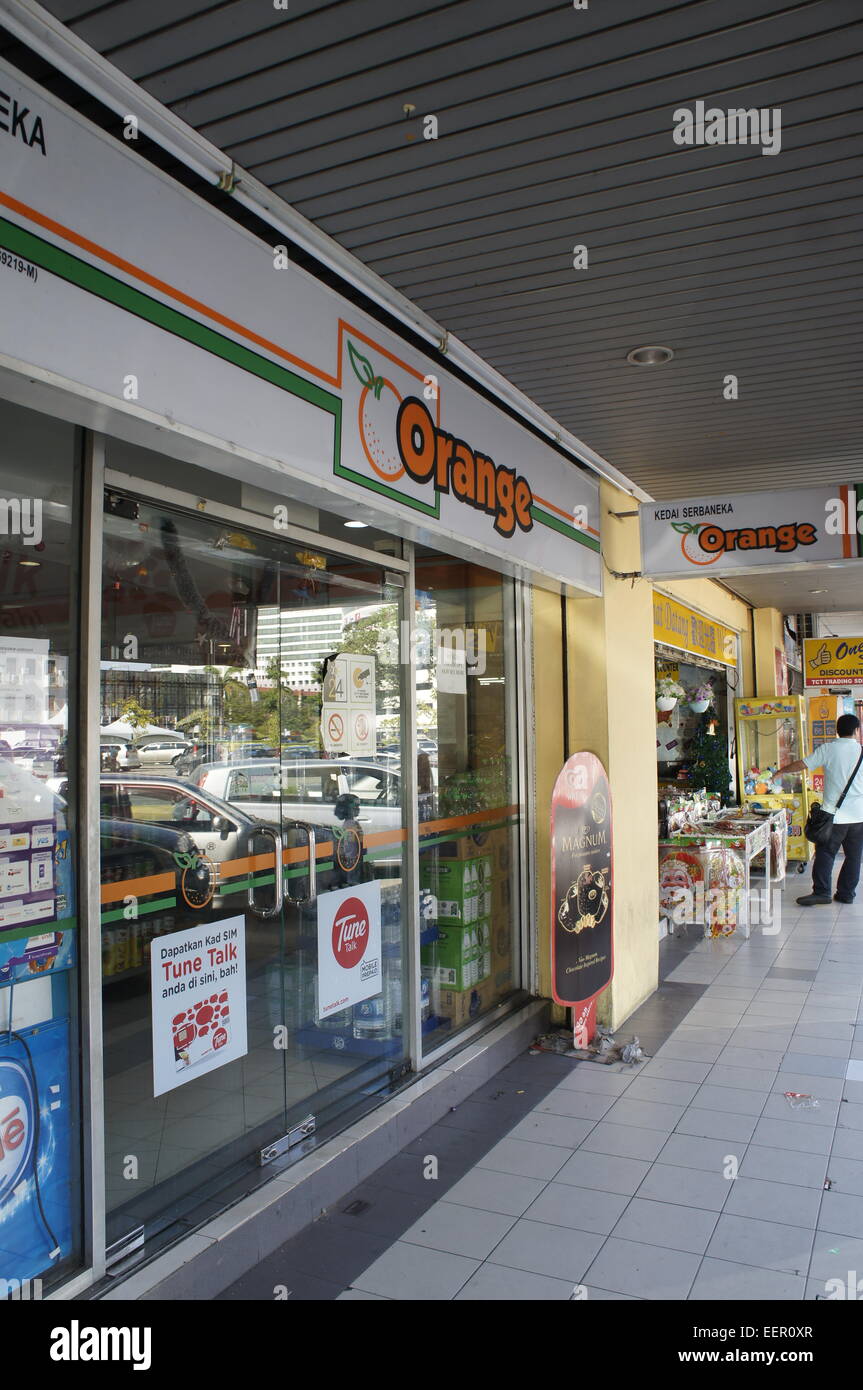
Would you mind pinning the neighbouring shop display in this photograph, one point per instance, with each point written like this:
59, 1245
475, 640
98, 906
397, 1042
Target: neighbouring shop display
582, 890
705, 868
822, 712
770, 734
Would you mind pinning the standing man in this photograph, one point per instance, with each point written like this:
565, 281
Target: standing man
838, 760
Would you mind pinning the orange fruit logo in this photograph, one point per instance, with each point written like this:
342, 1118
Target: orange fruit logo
376, 418
690, 549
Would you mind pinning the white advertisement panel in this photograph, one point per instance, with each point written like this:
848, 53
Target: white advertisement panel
349, 947
348, 708
198, 989
107, 292
740, 533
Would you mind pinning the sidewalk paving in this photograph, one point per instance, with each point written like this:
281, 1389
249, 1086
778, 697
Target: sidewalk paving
561, 1180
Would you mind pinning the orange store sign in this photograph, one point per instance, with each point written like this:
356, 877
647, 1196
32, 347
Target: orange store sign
740, 533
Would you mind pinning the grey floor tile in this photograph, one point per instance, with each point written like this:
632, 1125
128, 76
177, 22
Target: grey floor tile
766, 1244
780, 1165
821, 1047
508, 1193
679, 1071
679, 1051
500, 1284
645, 1271
523, 1156
846, 1175
848, 1143
603, 1172
842, 1031
401, 1275
686, 1187
824, 1087
591, 1076
742, 1078
774, 1201
725, 1282
581, 1208
644, 1114
666, 1224
624, 1141
581, 1105
725, 1125
791, 1134
850, 1115
835, 1257
818, 1111
360, 1296
542, 1249
842, 1212
595, 1295
561, 1130
732, 1099
662, 1092
459, 1230
709, 1155
748, 1057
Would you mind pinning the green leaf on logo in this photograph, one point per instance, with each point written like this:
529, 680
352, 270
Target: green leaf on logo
361, 365
683, 528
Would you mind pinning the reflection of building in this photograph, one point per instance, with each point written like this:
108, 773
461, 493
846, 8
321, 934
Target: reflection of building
299, 638
170, 695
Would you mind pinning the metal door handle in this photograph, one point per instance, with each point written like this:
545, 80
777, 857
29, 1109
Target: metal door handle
269, 912
313, 861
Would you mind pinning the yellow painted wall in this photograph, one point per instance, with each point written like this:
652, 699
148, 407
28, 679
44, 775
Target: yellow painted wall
611, 714
769, 636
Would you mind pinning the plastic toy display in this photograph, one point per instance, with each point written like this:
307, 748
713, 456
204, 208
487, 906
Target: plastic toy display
771, 733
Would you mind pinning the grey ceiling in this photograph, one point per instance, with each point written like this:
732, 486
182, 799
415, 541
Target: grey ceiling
556, 129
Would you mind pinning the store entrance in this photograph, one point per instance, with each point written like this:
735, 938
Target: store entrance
252, 849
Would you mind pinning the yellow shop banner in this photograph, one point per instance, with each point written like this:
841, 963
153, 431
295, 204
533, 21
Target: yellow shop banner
675, 625
833, 660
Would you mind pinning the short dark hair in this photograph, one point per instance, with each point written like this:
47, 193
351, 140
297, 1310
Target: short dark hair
846, 725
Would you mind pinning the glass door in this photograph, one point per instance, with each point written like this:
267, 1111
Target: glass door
252, 849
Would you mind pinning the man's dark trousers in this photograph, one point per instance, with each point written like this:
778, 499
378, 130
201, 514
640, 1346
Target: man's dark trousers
850, 839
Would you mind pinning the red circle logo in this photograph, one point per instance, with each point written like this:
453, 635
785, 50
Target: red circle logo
350, 932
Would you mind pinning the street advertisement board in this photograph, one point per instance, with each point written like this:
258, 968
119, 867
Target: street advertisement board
582, 890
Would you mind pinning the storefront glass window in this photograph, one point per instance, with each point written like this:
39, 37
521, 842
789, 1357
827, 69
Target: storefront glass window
40, 1124
468, 792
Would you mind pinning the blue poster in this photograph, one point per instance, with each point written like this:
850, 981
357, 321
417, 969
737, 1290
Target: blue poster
35, 1150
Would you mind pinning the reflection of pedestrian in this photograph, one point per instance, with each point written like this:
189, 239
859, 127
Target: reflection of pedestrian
425, 788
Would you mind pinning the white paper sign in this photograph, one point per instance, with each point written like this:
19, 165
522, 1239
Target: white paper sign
198, 984
349, 947
348, 718
451, 670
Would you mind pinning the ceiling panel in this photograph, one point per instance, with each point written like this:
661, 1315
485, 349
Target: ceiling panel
555, 130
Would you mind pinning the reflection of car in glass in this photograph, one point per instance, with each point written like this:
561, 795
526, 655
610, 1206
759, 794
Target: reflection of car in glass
307, 790
134, 852
160, 752
220, 832
117, 754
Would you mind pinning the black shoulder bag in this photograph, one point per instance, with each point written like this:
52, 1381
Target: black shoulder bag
819, 823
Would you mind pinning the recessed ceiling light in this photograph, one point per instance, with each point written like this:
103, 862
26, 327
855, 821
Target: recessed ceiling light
30, 563
358, 525
649, 356
818, 591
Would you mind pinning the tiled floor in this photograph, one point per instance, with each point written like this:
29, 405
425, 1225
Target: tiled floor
560, 1180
